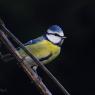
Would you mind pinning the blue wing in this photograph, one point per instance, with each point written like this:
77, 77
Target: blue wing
34, 41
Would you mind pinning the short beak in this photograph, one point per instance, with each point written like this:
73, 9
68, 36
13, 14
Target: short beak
62, 40
64, 37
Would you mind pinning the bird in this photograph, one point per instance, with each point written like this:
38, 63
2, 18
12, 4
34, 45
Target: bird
46, 47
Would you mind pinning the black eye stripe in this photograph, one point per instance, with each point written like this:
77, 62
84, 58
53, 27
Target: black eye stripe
55, 34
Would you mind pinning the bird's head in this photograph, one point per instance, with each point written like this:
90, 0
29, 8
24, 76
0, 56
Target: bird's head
55, 35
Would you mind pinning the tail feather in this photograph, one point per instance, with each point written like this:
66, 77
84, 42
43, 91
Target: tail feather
6, 57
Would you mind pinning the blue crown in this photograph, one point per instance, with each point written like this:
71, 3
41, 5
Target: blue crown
55, 28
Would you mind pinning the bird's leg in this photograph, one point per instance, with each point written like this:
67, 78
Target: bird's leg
35, 70
33, 66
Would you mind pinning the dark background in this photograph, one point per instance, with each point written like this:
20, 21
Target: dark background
74, 68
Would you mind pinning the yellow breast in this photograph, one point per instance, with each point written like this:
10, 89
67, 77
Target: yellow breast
42, 49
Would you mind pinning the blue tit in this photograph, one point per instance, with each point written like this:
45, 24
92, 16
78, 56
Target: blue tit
46, 48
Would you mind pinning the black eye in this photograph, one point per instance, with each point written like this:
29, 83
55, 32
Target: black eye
53, 34
56, 35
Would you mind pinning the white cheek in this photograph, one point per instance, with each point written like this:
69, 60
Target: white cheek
54, 39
